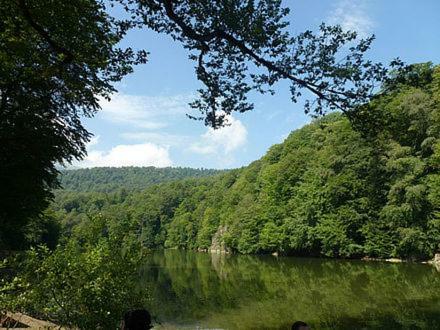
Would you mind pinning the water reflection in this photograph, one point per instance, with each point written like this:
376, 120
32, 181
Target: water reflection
247, 292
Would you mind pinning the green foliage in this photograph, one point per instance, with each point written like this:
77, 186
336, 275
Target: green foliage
56, 61
88, 281
327, 190
59, 58
239, 46
45, 231
111, 179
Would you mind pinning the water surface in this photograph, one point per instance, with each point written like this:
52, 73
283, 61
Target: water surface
190, 290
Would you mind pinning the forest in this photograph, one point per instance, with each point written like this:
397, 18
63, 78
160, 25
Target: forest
331, 189
335, 188
360, 181
109, 179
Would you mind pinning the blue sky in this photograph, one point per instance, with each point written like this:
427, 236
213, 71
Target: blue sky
145, 123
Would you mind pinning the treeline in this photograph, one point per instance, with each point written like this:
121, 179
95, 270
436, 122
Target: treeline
108, 179
328, 190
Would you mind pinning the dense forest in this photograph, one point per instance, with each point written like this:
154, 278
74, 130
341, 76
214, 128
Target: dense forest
337, 187
109, 179
330, 189
361, 180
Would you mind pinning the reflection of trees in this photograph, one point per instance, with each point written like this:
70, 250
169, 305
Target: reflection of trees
251, 292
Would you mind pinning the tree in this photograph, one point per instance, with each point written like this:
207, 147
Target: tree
57, 59
87, 282
240, 45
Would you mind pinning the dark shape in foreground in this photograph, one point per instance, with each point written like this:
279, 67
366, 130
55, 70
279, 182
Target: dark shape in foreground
300, 325
138, 319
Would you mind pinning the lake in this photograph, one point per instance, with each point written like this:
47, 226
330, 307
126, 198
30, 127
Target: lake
212, 291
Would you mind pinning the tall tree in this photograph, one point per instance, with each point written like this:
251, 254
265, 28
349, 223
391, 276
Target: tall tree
57, 58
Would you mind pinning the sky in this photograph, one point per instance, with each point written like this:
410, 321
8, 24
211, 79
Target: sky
145, 123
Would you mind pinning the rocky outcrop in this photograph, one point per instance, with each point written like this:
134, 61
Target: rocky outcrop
217, 244
436, 261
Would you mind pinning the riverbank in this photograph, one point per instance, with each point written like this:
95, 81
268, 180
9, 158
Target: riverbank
435, 261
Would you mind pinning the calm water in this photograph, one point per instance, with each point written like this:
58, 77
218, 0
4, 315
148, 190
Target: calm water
190, 290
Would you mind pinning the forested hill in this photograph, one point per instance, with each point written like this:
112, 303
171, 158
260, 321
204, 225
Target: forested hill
328, 190
109, 179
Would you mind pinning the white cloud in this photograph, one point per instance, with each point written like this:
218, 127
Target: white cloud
146, 154
147, 112
222, 141
148, 144
352, 16
158, 138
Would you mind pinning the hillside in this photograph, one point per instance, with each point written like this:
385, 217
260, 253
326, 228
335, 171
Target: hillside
327, 190
108, 179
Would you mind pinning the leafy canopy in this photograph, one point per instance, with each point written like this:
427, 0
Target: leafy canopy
240, 45
57, 59
88, 282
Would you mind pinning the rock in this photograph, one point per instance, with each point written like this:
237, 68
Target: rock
437, 258
367, 258
217, 244
275, 254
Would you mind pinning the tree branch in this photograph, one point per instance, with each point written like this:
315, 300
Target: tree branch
44, 34
204, 39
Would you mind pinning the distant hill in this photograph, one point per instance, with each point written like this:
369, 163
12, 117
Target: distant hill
109, 179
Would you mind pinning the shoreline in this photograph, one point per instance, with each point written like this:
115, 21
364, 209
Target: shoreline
435, 261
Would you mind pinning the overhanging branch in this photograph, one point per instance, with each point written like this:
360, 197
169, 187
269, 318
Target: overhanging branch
68, 56
204, 40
